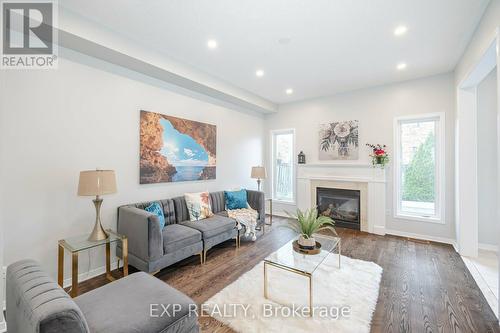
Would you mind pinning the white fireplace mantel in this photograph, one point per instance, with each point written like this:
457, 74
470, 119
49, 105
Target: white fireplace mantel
368, 180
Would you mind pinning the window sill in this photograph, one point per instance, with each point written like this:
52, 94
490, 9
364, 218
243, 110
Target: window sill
436, 220
284, 202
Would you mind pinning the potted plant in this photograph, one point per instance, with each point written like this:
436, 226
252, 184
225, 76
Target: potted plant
379, 155
307, 223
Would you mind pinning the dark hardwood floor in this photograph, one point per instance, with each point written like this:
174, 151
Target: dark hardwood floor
425, 286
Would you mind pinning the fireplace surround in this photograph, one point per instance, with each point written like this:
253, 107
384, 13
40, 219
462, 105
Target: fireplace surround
369, 181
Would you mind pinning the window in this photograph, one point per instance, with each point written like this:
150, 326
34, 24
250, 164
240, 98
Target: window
283, 165
419, 168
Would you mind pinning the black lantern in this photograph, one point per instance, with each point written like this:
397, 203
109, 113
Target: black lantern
301, 158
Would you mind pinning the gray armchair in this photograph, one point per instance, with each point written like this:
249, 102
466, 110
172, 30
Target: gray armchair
36, 304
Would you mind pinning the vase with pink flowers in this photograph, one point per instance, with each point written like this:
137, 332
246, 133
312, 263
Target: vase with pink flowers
379, 155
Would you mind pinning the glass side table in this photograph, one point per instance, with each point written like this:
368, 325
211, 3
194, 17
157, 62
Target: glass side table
75, 245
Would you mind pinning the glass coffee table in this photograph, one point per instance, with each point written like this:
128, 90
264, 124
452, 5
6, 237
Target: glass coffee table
289, 259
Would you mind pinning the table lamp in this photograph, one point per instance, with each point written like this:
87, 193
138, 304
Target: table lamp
97, 182
258, 172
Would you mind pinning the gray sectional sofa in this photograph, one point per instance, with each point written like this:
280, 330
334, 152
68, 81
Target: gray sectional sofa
151, 249
36, 304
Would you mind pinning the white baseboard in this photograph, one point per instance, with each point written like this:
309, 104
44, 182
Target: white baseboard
421, 237
278, 213
488, 247
90, 274
379, 230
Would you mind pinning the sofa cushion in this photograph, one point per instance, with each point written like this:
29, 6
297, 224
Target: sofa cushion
176, 237
166, 204
212, 226
124, 306
181, 211
218, 201
168, 211
223, 213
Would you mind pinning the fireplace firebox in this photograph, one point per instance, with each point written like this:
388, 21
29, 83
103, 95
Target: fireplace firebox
342, 205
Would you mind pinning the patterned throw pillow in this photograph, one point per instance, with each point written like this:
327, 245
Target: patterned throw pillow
198, 205
236, 199
155, 208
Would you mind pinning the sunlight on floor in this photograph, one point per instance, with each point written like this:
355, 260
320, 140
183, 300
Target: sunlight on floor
484, 269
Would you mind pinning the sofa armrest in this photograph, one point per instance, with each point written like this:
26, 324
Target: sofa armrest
142, 229
256, 200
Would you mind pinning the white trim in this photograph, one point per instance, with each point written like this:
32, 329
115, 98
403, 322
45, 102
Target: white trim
495, 39
421, 237
466, 189
293, 164
488, 247
90, 274
338, 164
345, 179
284, 202
379, 230
415, 218
440, 203
279, 213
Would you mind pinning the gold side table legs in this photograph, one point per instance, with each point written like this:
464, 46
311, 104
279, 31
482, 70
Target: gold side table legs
108, 263
60, 265
74, 270
74, 274
266, 293
125, 256
74, 264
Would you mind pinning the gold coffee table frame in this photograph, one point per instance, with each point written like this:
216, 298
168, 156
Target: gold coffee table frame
335, 244
75, 245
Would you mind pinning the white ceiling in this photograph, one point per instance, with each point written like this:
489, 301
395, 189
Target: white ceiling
334, 45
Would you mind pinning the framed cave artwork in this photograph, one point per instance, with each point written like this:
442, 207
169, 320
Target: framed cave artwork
339, 141
175, 149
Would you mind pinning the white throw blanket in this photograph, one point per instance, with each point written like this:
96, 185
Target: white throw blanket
246, 217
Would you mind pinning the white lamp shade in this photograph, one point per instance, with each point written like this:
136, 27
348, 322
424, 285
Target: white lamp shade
97, 182
259, 172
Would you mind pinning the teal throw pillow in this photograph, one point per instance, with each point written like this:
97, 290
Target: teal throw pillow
155, 208
236, 199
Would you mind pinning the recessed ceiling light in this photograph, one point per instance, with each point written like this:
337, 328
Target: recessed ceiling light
400, 30
289, 91
259, 73
212, 44
401, 66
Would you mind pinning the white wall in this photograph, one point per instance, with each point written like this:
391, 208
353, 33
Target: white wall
487, 160
86, 115
376, 109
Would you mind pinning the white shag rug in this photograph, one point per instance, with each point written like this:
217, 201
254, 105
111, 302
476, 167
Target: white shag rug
352, 289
